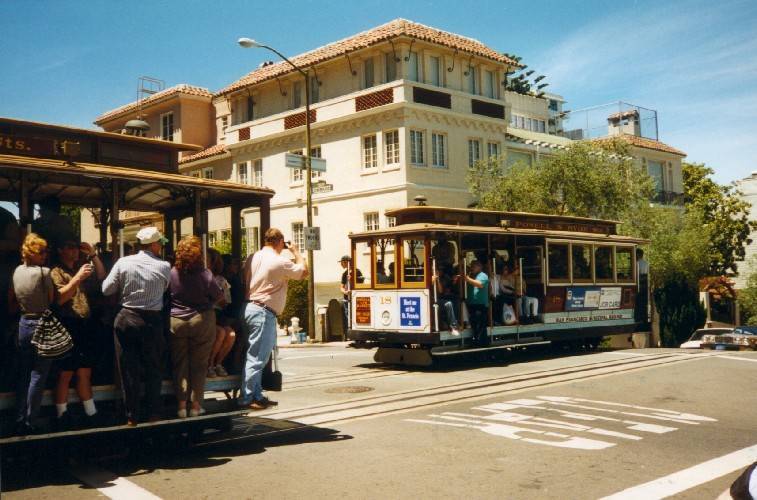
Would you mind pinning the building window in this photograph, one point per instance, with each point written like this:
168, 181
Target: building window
257, 173
207, 173
391, 221
224, 123
474, 151
315, 153
492, 149
370, 159
368, 73
298, 235
439, 150
472, 83
655, 171
166, 126
250, 108
225, 235
542, 126
371, 221
392, 147
253, 239
416, 148
390, 65
296, 95
412, 66
514, 157
315, 90
242, 173
489, 87
296, 175
434, 73
212, 239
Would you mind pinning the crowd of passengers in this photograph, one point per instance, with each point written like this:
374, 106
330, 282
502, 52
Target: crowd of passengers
194, 308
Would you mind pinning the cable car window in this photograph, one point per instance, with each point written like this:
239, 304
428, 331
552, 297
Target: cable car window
362, 262
581, 259
624, 264
384, 263
413, 261
558, 263
603, 264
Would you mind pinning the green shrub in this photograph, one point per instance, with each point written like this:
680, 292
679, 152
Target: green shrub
680, 310
297, 304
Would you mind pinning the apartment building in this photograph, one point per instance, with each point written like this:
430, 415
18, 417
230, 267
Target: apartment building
398, 111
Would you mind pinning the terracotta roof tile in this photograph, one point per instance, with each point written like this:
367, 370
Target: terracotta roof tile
643, 142
215, 150
182, 88
392, 29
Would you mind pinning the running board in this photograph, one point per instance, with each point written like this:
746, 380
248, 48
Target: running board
453, 350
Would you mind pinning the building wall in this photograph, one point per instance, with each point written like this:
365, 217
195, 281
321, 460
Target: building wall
748, 188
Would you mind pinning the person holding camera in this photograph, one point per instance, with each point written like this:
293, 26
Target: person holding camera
268, 275
72, 277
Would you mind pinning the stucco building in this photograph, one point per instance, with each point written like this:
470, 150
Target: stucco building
397, 111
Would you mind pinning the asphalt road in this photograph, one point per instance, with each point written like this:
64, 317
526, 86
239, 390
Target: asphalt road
634, 423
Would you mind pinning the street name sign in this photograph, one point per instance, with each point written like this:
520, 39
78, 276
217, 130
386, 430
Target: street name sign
298, 161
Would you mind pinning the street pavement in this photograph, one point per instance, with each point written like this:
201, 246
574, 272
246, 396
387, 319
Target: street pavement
638, 423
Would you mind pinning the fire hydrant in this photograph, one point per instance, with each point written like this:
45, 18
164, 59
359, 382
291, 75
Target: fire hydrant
294, 330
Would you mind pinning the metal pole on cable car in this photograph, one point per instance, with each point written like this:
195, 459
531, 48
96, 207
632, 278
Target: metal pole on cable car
200, 227
436, 301
116, 234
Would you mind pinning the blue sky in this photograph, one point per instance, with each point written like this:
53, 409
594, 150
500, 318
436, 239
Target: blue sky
695, 62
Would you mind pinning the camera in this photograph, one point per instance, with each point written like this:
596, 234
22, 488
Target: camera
287, 244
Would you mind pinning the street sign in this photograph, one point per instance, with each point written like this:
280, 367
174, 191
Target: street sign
312, 238
298, 161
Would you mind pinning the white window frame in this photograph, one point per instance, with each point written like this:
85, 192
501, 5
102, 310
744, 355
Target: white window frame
390, 221
369, 70
370, 221
472, 80
474, 151
392, 148
297, 174
243, 173
390, 67
413, 69
298, 235
316, 152
493, 149
207, 173
435, 73
369, 153
256, 173
490, 89
417, 151
167, 135
439, 156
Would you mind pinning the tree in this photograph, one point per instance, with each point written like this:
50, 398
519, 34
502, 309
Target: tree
748, 296
585, 180
296, 304
721, 210
73, 213
680, 310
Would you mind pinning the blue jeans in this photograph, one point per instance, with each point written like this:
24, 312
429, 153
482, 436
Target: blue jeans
450, 305
32, 375
261, 328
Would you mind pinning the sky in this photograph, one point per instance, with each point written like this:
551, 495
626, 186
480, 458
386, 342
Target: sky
693, 61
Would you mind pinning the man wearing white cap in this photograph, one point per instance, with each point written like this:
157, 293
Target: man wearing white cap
140, 280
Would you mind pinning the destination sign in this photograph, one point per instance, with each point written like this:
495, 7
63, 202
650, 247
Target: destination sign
595, 228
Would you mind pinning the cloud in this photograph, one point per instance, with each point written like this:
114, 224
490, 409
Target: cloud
692, 62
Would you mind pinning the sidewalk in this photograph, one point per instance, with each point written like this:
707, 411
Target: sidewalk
283, 340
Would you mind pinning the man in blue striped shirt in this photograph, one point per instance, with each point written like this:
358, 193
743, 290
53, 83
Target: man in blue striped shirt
140, 280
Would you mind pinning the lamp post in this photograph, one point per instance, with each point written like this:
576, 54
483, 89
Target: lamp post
248, 43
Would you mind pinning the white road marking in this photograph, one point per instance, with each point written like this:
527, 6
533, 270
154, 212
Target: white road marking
689, 478
320, 355
738, 358
111, 485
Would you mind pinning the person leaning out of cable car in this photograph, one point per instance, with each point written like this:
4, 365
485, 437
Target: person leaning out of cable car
477, 300
446, 288
193, 324
73, 279
34, 291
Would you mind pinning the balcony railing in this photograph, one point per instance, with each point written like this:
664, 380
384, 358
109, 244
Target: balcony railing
608, 119
399, 91
668, 198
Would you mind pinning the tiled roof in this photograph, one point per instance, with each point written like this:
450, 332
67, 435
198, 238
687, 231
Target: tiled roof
643, 142
215, 150
392, 29
182, 88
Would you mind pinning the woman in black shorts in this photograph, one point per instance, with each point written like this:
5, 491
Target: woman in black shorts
73, 280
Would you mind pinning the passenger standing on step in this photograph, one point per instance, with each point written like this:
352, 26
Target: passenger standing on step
141, 281
477, 300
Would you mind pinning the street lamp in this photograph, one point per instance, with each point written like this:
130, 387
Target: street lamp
249, 43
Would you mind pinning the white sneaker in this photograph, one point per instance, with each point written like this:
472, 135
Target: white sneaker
212, 372
221, 371
455, 332
196, 413
182, 413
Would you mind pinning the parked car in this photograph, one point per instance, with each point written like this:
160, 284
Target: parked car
742, 338
696, 338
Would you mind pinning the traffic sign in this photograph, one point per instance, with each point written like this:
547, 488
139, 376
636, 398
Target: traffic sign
312, 238
298, 161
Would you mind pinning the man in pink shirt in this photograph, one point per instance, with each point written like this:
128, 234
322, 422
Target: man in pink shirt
268, 275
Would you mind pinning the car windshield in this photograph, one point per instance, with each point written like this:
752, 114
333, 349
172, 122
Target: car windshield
697, 335
746, 330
